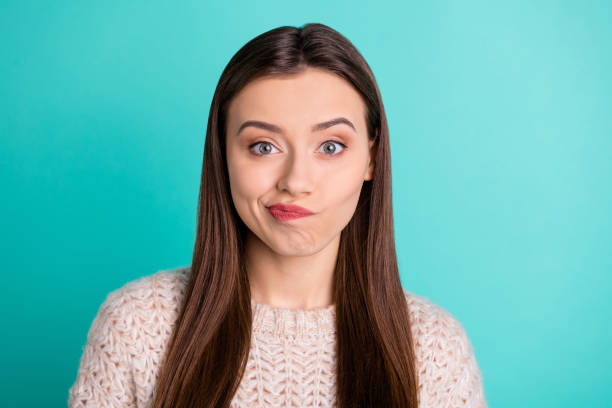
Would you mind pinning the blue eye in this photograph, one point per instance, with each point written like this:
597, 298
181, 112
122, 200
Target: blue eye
259, 149
334, 148
266, 147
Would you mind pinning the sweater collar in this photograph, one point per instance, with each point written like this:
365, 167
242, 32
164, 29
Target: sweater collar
293, 324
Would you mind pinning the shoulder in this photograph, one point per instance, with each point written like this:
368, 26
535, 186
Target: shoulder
428, 318
144, 304
446, 363
126, 340
433, 326
160, 289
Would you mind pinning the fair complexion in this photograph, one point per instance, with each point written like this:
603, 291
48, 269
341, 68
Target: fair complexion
290, 264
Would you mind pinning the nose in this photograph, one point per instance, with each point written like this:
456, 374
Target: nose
297, 176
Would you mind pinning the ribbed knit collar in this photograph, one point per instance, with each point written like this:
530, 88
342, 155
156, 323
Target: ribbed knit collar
293, 324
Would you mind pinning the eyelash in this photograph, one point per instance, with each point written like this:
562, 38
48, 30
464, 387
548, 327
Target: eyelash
344, 147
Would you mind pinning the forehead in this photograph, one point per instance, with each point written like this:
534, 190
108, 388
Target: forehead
299, 99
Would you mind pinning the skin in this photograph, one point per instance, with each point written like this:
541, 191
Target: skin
290, 264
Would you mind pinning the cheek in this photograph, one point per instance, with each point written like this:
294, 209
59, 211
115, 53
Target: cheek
340, 193
247, 180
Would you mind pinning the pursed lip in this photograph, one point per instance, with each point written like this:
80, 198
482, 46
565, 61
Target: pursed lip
287, 212
290, 209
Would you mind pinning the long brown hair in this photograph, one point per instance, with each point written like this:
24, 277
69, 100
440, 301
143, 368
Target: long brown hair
207, 354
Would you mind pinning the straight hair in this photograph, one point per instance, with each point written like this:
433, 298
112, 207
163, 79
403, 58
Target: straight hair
209, 347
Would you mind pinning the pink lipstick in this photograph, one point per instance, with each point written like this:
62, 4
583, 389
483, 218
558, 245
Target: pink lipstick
287, 212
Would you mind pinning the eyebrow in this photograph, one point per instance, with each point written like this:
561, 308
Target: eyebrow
273, 128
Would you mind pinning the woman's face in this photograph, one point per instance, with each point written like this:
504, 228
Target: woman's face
282, 158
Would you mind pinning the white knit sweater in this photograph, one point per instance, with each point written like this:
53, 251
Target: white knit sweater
291, 361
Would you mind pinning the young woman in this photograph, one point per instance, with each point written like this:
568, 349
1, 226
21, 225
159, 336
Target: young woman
293, 295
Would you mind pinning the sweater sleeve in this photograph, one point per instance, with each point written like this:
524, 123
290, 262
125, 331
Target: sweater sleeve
104, 377
464, 379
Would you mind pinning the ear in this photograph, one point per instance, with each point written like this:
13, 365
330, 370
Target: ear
370, 171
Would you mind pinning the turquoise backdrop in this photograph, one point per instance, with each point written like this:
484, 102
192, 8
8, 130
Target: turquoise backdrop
500, 116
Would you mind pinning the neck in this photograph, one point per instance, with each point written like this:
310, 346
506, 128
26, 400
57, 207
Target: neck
291, 282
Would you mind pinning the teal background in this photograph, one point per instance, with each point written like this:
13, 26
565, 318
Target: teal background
500, 120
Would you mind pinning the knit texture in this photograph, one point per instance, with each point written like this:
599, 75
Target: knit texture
291, 360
